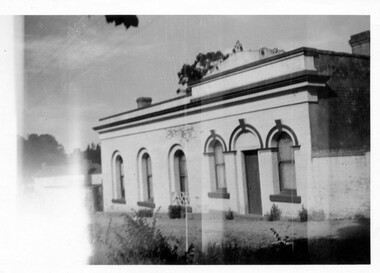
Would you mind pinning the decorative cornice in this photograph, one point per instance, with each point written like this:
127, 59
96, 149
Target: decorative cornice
290, 79
310, 76
150, 106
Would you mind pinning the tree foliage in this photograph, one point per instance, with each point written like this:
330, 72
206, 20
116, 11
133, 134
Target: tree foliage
36, 150
203, 63
126, 20
92, 153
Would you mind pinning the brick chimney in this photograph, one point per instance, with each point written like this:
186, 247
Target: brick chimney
143, 102
360, 43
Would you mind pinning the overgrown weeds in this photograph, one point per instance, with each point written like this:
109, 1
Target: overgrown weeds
144, 213
226, 252
138, 240
142, 243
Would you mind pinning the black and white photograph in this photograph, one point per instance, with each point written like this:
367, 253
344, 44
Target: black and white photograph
157, 138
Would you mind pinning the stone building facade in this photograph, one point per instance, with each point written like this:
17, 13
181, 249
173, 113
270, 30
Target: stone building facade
287, 128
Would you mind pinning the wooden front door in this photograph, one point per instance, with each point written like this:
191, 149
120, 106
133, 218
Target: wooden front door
253, 182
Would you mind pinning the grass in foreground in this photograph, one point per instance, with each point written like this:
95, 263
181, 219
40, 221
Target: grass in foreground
127, 239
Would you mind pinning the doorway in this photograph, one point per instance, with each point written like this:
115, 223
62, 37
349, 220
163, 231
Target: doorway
253, 182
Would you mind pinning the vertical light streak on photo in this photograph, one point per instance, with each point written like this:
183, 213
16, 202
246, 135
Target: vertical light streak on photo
73, 203
55, 216
19, 73
46, 222
11, 71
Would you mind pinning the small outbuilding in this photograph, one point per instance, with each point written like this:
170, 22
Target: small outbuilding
59, 184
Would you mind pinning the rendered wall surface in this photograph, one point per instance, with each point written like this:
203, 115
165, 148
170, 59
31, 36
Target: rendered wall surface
190, 134
341, 185
341, 118
340, 133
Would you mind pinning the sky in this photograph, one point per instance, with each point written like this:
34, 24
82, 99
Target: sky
78, 69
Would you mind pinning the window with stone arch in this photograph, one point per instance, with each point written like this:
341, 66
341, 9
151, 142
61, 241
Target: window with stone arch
147, 177
218, 166
286, 163
118, 178
180, 171
283, 143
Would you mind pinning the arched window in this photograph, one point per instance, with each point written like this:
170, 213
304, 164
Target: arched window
119, 191
286, 163
147, 177
180, 169
283, 143
220, 179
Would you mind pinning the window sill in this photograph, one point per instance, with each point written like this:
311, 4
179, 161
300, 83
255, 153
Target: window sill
119, 201
285, 197
147, 204
221, 195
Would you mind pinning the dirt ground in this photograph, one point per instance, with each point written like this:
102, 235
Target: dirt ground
253, 231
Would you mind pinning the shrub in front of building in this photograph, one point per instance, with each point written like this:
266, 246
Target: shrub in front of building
274, 214
178, 211
303, 214
174, 211
229, 215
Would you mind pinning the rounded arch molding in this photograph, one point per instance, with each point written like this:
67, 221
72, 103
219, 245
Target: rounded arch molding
141, 152
174, 148
241, 129
278, 129
212, 138
174, 176
115, 154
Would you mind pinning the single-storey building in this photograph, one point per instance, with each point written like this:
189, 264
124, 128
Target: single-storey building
59, 183
267, 127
